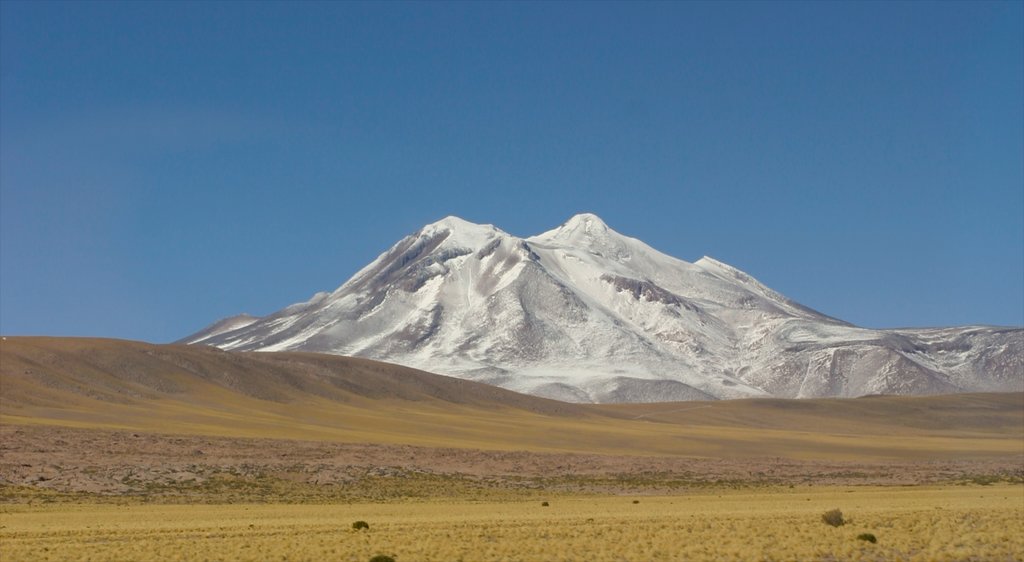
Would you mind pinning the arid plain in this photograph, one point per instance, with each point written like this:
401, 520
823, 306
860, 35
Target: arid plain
113, 450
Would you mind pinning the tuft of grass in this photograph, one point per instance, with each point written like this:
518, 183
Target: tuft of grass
833, 517
870, 537
359, 525
382, 558
544, 504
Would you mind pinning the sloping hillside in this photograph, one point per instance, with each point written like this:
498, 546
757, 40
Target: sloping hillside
195, 390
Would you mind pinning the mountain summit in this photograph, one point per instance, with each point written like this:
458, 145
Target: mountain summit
582, 313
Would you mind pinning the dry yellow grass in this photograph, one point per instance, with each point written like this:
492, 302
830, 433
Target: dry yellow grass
921, 523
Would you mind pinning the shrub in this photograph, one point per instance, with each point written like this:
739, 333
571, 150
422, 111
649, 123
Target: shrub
544, 504
636, 501
867, 537
360, 525
382, 558
985, 479
833, 517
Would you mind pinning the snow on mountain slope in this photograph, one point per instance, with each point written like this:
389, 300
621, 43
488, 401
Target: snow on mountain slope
583, 313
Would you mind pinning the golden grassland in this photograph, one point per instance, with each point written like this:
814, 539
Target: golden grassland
911, 523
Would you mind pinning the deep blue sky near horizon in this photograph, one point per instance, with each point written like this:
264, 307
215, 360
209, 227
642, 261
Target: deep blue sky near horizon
163, 165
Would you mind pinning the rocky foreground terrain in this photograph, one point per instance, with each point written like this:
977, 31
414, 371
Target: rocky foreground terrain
55, 462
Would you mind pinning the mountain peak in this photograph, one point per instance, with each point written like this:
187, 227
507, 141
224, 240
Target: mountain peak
586, 218
461, 232
585, 222
452, 222
582, 230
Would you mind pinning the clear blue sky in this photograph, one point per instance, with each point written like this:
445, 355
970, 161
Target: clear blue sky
163, 165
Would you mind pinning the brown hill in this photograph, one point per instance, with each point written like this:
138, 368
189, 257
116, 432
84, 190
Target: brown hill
51, 371
113, 384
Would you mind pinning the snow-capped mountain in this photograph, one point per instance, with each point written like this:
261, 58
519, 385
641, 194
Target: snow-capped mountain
582, 313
